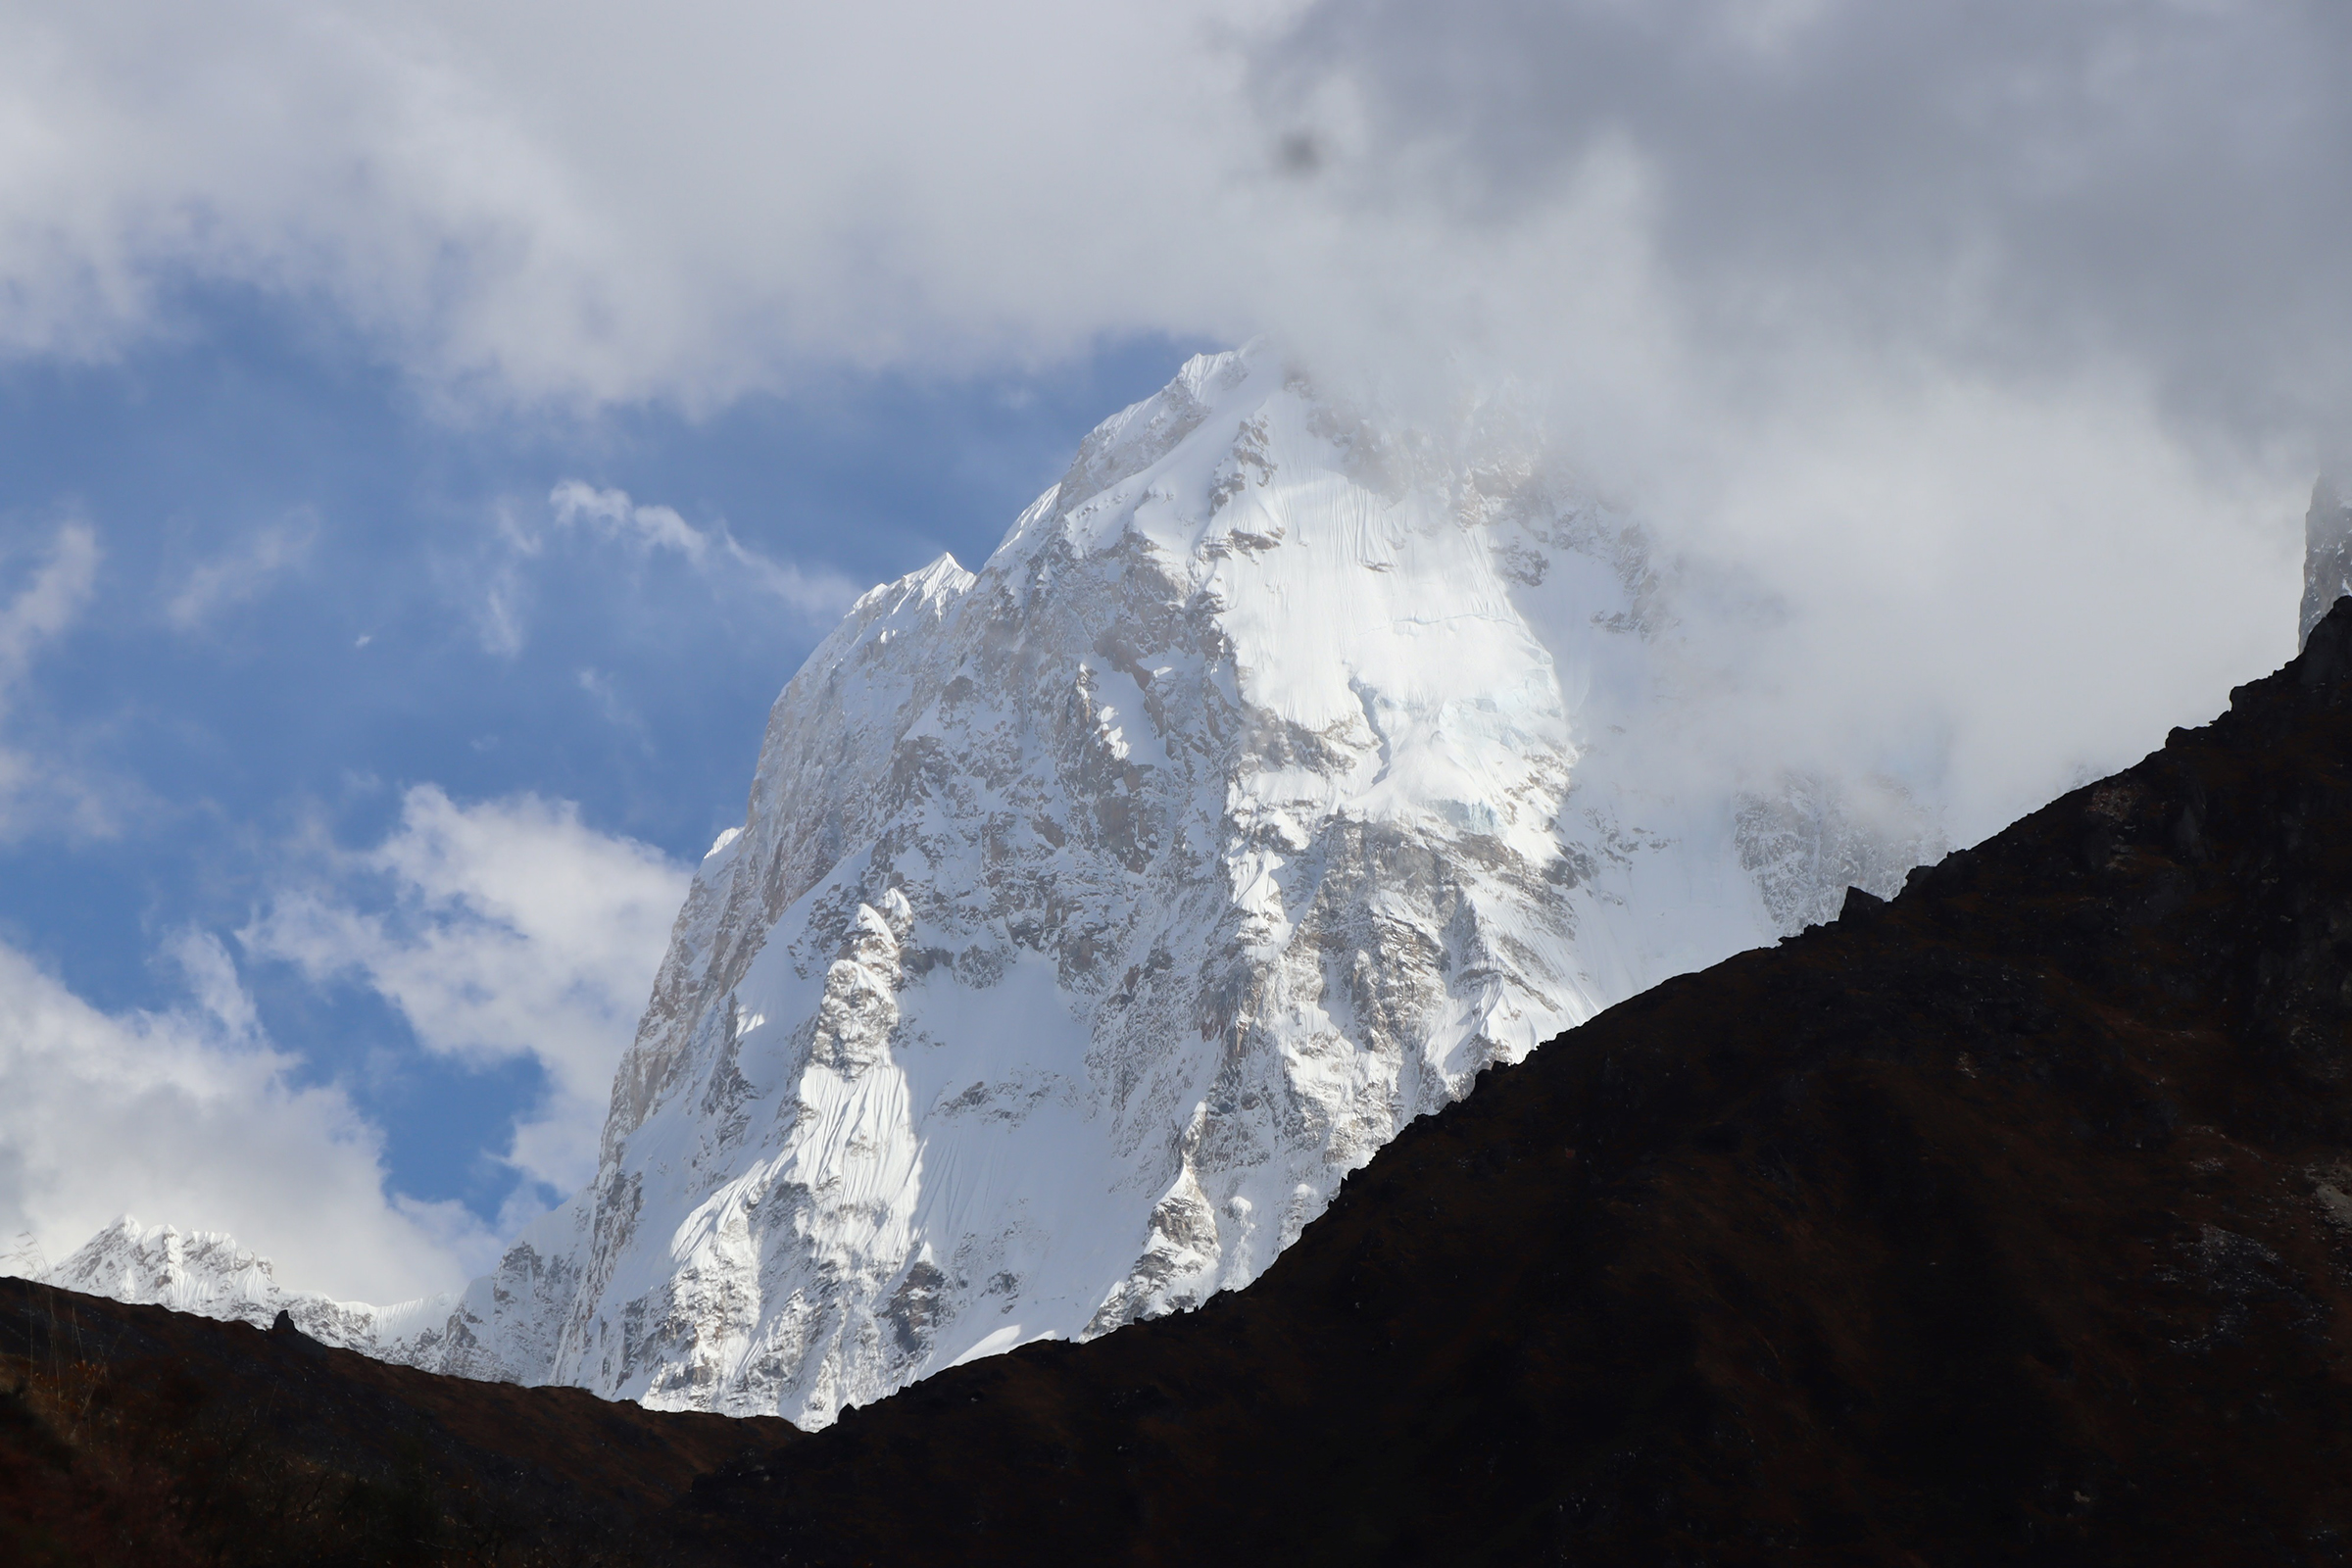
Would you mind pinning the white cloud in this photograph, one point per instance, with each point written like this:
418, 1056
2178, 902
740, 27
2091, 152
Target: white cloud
191, 1117
818, 595
1993, 337
497, 581
624, 200
506, 929
611, 200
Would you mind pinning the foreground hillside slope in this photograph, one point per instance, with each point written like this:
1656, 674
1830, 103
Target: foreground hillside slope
134, 1435
2011, 1220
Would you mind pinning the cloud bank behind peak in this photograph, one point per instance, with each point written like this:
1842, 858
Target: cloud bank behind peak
614, 201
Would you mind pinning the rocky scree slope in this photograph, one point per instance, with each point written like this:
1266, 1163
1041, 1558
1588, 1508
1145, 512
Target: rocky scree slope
2007, 1221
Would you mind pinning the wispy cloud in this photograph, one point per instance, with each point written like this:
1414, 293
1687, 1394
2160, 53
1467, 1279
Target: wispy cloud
602, 690
492, 582
816, 595
612, 513
52, 596
499, 584
244, 574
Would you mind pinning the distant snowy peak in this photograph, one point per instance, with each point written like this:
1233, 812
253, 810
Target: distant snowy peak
207, 1273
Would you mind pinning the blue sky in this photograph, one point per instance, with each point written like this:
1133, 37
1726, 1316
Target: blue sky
431, 432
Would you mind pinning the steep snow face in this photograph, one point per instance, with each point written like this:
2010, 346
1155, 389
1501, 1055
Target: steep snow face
1095, 913
207, 1273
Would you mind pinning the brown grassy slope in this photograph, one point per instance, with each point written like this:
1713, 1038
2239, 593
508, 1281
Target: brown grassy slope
132, 1434
2002, 1223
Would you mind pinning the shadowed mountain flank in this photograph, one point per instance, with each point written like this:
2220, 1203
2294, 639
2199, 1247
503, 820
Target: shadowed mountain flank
2006, 1221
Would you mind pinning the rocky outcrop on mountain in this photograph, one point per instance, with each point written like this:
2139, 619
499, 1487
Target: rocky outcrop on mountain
2006, 1221
1807, 840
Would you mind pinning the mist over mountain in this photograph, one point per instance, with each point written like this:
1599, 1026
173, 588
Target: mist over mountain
395, 419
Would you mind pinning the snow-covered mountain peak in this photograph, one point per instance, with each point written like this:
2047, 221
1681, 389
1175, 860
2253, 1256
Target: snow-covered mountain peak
1095, 912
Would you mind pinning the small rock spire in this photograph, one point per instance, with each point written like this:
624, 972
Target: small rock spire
2327, 556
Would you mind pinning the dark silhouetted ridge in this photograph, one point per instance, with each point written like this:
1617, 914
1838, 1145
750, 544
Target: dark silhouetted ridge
151, 1439
2006, 1221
